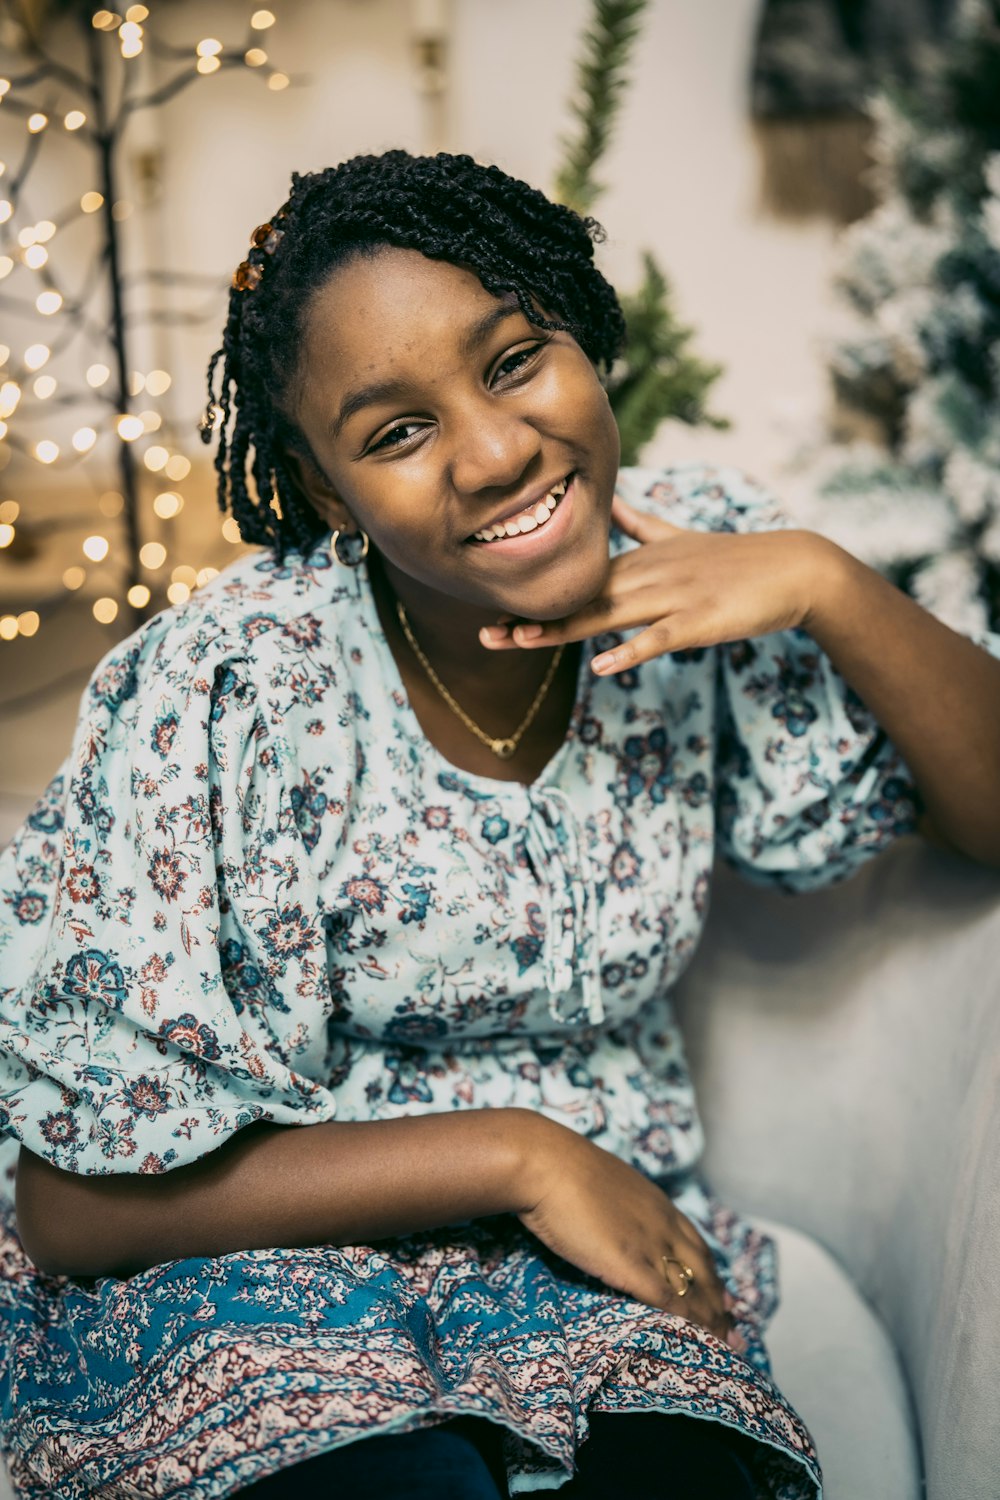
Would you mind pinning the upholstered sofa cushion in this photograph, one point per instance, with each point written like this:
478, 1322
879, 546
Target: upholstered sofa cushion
837, 1365
845, 1047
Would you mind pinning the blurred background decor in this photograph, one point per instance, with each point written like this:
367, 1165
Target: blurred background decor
911, 480
816, 65
141, 146
657, 377
85, 393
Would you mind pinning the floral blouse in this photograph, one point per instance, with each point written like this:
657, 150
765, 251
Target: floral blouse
256, 892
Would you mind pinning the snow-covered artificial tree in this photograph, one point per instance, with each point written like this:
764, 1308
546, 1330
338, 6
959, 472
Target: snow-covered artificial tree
912, 481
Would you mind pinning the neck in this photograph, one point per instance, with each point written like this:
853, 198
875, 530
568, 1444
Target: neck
494, 688
447, 630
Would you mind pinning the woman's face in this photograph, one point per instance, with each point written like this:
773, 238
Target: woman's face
435, 411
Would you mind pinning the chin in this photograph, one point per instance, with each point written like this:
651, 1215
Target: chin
565, 588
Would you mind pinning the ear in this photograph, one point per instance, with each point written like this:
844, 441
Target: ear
314, 485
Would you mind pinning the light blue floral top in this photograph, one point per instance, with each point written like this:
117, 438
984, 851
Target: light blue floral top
255, 890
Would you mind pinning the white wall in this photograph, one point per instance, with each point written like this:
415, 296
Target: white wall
681, 178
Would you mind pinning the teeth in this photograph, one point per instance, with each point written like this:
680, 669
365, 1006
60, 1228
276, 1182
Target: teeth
528, 520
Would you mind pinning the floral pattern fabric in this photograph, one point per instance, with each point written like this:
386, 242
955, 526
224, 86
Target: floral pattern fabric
256, 892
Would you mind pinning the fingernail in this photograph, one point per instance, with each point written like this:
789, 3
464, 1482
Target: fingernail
736, 1341
494, 633
604, 662
527, 632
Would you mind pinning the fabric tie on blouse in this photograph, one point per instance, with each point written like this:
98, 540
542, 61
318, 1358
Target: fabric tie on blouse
554, 845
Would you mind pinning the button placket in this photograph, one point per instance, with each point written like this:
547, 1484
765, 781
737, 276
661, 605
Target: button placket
571, 939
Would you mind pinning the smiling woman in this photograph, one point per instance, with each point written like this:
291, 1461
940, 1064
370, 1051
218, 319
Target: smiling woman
357, 1137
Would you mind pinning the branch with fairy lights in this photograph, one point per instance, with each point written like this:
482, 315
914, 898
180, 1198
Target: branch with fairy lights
107, 417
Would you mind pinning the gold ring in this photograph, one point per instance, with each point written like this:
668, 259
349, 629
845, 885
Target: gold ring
686, 1273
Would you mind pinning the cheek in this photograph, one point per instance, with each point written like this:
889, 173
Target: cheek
568, 386
398, 510
578, 404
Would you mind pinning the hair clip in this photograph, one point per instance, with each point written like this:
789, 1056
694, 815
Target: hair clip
267, 238
247, 276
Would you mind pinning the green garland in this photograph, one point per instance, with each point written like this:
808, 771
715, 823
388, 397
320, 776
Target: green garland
601, 82
656, 377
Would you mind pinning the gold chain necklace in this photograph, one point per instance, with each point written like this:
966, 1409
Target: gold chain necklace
503, 748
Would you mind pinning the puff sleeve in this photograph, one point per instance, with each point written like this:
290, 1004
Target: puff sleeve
159, 939
808, 786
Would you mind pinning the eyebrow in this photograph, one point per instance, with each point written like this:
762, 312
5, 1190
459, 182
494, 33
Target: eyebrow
391, 390
480, 331
366, 395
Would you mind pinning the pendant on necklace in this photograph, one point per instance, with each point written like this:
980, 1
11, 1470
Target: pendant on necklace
503, 748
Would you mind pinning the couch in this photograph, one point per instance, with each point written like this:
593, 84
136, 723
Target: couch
846, 1050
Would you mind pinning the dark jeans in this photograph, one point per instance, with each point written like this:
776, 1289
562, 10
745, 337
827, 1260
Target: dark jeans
633, 1456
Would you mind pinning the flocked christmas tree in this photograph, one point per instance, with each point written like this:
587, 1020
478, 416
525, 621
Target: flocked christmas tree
658, 376
918, 495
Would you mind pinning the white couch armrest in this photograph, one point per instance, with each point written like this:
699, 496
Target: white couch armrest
846, 1051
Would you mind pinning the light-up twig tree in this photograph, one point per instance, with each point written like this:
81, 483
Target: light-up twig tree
92, 73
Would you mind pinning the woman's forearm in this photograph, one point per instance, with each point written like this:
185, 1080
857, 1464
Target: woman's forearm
280, 1186
936, 694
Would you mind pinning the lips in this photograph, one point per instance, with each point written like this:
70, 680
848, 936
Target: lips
524, 517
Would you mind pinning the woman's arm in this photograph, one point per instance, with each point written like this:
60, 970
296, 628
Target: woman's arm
281, 1185
334, 1184
935, 694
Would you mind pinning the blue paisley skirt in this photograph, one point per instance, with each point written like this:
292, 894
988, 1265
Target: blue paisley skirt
200, 1376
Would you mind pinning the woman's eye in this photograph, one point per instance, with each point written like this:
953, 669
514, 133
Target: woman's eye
518, 360
392, 438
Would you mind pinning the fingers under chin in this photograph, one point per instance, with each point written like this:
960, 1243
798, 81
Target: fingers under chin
494, 641
640, 525
655, 640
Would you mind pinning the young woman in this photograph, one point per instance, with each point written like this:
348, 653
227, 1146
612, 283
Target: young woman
358, 1147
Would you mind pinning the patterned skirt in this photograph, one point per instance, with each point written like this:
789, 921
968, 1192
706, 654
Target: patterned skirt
197, 1377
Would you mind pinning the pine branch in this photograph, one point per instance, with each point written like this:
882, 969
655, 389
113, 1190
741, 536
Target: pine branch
601, 80
658, 377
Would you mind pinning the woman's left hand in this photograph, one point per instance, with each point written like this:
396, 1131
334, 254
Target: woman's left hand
687, 588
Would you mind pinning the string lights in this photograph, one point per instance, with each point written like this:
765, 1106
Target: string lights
40, 388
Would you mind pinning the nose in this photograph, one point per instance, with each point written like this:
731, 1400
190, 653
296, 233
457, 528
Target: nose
492, 448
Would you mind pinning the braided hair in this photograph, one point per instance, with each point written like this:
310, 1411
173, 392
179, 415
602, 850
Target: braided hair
448, 208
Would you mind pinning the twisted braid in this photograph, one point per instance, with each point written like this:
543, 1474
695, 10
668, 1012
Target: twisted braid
448, 208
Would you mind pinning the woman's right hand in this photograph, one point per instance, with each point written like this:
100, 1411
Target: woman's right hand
605, 1217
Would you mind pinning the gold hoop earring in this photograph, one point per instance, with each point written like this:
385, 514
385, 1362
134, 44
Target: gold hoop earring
358, 551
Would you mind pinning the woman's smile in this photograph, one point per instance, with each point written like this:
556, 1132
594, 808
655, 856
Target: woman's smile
526, 538
476, 449
522, 520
